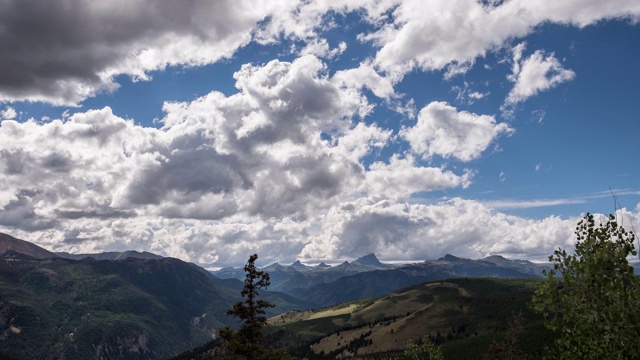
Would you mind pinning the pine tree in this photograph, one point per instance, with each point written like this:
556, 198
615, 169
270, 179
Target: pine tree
246, 342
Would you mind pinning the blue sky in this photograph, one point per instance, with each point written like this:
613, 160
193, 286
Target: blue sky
316, 131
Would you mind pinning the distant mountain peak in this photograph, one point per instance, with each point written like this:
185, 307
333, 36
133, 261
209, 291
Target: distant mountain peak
299, 266
273, 267
8, 242
370, 259
450, 258
322, 265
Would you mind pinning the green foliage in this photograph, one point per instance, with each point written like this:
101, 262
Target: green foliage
463, 316
69, 309
591, 298
425, 351
246, 342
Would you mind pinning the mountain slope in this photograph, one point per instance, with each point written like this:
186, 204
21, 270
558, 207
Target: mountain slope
128, 309
464, 316
8, 242
363, 285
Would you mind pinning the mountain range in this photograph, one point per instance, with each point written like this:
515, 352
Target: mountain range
288, 278
130, 305
367, 276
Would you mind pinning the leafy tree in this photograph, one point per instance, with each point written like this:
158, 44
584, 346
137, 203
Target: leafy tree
246, 342
425, 351
592, 298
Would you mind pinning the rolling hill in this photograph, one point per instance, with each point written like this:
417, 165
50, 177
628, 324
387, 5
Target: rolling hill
463, 315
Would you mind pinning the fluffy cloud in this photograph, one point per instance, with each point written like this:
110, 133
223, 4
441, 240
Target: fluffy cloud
577, 12
64, 52
402, 177
429, 36
264, 142
8, 113
403, 231
70, 166
366, 76
442, 130
533, 75
254, 170
320, 48
451, 35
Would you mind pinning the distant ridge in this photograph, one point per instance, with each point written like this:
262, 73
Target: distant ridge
370, 282
273, 267
299, 266
8, 242
449, 257
15, 246
112, 255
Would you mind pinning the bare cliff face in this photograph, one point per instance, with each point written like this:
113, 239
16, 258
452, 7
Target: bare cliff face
8, 242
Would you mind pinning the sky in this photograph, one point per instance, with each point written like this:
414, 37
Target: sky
317, 130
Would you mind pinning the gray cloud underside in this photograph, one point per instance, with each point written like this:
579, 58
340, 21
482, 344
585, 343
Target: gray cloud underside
64, 52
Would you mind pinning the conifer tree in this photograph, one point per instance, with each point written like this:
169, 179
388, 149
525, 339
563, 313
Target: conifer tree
246, 342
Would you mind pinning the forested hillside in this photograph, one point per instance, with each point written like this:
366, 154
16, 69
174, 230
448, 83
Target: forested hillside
130, 309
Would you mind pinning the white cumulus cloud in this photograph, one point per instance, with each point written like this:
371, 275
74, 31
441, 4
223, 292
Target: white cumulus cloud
404, 231
444, 131
534, 74
452, 34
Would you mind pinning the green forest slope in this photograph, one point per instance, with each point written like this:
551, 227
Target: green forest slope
465, 316
131, 309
